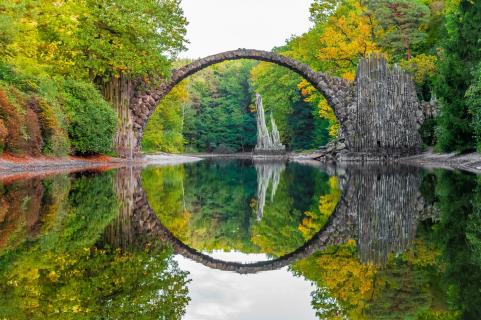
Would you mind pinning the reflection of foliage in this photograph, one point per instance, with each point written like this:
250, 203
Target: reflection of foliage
164, 187
92, 205
295, 214
59, 274
88, 284
219, 196
459, 237
213, 211
216, 209
338, 270
437, 278
315, 220
406, 286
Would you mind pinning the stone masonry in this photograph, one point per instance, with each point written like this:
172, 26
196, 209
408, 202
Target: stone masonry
379, 112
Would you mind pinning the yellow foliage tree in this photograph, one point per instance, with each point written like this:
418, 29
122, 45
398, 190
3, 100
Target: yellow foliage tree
313, 222
347, 36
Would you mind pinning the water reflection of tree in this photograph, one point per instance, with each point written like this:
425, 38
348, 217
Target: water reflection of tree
206, 205
295, 214
212, 205
437, 277
57, 271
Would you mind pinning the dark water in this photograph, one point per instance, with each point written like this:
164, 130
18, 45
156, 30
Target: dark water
242, 240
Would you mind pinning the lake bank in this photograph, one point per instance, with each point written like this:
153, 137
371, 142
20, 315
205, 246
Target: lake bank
19, 164
467, 162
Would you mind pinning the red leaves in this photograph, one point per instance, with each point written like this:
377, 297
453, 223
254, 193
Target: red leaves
19, 126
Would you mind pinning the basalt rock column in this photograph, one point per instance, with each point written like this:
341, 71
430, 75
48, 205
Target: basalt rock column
266, 142
388, 113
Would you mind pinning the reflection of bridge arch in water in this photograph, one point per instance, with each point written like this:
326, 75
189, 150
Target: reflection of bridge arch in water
379, 207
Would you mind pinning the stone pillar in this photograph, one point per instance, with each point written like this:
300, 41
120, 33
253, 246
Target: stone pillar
267, 143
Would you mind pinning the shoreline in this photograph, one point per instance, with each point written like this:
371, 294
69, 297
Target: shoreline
12, 164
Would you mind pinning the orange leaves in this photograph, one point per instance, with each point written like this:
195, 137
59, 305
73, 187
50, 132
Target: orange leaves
32, 125
3, 134
15, 141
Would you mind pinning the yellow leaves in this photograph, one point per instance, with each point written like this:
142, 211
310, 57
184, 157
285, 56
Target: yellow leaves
32, 274
53, 276
346, 278
311, 95
421, 67
313, 222
327, 203
346, 39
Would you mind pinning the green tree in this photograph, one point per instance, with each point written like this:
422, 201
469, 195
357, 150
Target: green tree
219, 116
457, 69
473, 96
402, 22
91, 121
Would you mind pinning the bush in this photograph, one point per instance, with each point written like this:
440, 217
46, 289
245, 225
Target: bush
14, 140
54, 128
32, 115
91, 121
3, 135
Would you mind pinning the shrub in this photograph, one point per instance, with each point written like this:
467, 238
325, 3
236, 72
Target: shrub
473, 96
16, 140
35, 142
3, 135
91, 120
54, 130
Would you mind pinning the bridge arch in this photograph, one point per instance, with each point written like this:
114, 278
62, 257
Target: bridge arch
338, 92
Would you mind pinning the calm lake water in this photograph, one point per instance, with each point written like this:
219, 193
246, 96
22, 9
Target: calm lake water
237, 239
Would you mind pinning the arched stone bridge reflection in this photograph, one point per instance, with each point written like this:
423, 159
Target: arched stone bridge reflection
380, 208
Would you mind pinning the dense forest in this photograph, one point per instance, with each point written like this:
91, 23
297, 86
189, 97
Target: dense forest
60, 60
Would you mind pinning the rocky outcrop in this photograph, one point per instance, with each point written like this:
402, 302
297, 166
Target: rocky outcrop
385, 119
266, 142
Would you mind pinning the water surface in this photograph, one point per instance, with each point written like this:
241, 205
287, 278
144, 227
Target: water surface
239, 239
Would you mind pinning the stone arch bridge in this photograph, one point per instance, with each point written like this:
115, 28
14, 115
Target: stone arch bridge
379, 208
379, 112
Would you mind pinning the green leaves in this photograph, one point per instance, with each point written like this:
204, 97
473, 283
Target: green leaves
91, 121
